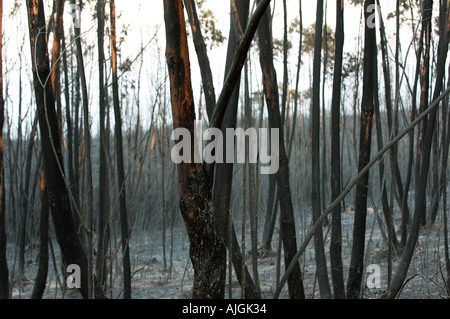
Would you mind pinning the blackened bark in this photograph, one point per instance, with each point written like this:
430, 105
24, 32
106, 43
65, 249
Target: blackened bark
236, 66
321, 264
103, 213
388, 96
337, 274
125, 233
202, 56
223, 177
4, 273
88, 187
288, 234
424, 97
66, 235
420, 207
207, 247
367, 111
271, 214
41, 277
56, 52
406, 219
26, 199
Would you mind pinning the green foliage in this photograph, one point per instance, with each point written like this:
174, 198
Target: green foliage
278, 45
211, 33
308, 43
308, 39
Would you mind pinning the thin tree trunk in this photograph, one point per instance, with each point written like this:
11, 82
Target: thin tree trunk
284, 97
406, 219
323, 167
56, 52
436, 198
253, 188
424, 97
393, 155
271, 214
41, 277
321, 264
67, 237
4, 273
297, 81
420, 208
88, 185
337, 274
202, 55
69, 139
26, 199
367, 111
223, 177
120, 161
103, 213
445, 152
288, 234
77, 145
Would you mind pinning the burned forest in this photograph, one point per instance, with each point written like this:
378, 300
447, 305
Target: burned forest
225, 150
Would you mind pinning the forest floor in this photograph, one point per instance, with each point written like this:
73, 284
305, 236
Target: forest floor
153, 280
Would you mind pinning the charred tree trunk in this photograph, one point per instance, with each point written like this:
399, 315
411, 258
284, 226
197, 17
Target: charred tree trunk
207, 247
125, 233
67, 237
367, 111
69, 137
420, 207
4, 273
393, 155
56, 55
202, 55
424, 97
41, 278
337, 274
103, 213
87, 160
288, 234
321, 263
26, 199
223, 177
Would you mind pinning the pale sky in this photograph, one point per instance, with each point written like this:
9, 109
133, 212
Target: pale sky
142, 18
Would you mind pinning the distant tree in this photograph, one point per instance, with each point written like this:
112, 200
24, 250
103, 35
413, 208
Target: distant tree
420, 207
4, 273
336, 229
125, 232
87, 159
103, 212
41, 277
427, 13
315, 155
367, 111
